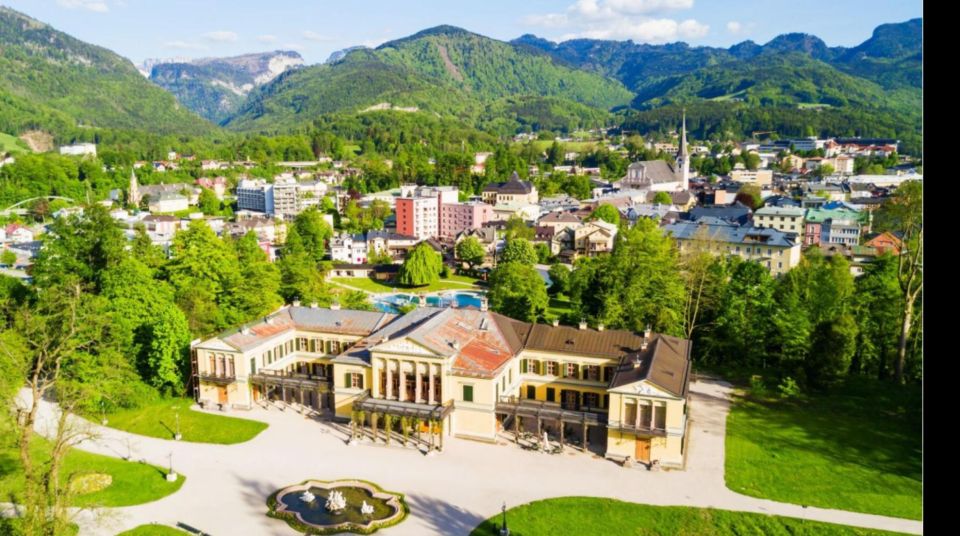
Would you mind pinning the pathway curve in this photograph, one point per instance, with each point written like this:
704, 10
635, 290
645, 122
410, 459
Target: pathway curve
449, 493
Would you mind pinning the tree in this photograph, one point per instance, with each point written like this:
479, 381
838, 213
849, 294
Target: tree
421, 267
208, 202
470, 251
831, 350
301, 277
314, 232
518, 291
519, 250
904, 213
517, 228
607, 213
878, 311
750, 196
752, 161
258, 291
8, 258
82, 245
543, 252
662, 198
555, 154
560, 279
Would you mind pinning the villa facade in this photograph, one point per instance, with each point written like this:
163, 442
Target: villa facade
469, 373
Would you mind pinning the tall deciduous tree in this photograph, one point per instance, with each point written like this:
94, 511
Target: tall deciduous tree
258, 291
607, 213
519, 250
314, 232
518, 291
421, 267
302, 278
470, 251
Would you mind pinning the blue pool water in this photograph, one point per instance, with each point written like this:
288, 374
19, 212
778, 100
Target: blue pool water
390, 303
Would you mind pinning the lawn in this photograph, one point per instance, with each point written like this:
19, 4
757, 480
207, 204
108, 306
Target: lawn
586, 516
454, 282
158, 419
856, 448
132, 482
11, 144
559, 305
153, 530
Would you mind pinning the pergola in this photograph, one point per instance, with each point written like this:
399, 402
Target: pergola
550, 411
409, 414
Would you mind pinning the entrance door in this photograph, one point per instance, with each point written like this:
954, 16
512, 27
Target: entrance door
222, 394
643, 450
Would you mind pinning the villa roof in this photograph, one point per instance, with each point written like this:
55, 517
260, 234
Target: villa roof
665, 363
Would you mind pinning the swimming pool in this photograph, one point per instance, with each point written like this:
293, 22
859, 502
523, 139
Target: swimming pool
391, 303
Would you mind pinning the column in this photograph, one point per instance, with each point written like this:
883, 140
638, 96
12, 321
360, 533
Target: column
653, 415
402, 395
416, 380
430, 399
388, 366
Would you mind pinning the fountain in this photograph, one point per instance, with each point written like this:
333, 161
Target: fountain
350, 506
336, 502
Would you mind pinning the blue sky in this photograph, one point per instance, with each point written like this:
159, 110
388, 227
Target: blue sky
141, 29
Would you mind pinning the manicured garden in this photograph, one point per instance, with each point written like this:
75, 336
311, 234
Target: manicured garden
153, 530
857, 447
454, 282
159, 419
128, 483
586, 516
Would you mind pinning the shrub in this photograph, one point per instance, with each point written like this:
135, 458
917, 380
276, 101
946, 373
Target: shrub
788, 388
757, 386
445, 272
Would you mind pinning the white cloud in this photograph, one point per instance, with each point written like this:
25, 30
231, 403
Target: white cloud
623, 19
267, 38
91, 5
734, 27
221, 36
314, 36
184, 45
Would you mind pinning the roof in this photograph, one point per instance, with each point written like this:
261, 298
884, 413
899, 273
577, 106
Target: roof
560, 217
735, 213
768, 236
343, 321
513, 186
653, 172
790, 211
665, 363
677, 198
570, 340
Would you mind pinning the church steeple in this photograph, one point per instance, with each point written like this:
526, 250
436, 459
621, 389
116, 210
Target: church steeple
133, 192
683, 160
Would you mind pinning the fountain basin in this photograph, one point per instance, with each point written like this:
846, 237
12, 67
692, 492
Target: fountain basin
313, 518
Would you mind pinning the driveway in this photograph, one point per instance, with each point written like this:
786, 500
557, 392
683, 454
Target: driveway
449, 493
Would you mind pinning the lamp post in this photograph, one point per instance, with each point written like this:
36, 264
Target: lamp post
177, 436
103, 414
171, 476
504, 531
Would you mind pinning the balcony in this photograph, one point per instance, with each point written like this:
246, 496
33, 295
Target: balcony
640, 430
524, 407
291, 379
219, 379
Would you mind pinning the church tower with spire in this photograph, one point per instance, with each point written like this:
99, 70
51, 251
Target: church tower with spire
683, 158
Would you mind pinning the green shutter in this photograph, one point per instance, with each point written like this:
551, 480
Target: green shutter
523, 365
346, 379
468, 393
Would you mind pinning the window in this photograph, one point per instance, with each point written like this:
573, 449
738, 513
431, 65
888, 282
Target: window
531, 392
551, 368
551, 394
606, 401
356, 380
607, 374
572, 370
468, 393
253, 365
591, 399
593, 373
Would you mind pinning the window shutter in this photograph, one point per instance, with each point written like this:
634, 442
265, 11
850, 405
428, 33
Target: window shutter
523, 365
346, 379
606, 401
361, 381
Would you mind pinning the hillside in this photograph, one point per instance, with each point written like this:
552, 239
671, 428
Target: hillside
215, 88
444, 70
50, 80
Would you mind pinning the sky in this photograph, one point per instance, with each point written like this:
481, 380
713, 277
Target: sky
140, 29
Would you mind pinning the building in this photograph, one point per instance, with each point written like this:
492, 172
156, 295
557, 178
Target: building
458, 217
419, 208
594, 237
167, 202
760, 177
79, 149
659, 175
513, 192
217, 184
884, 242
775, 250
255, 195
470, 373
845, 231
786, 219
842, 221
560, 220
284, 198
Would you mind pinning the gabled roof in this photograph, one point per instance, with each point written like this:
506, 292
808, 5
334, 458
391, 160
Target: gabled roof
665, 363
513, 186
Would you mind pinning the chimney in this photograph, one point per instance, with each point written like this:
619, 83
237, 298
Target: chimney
600, 326
583, 324
483, 303
314, 305
455, 344
646, 338
335, 306
245, 330
556, 322
636, 361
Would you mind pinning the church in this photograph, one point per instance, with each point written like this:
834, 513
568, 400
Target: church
660, 175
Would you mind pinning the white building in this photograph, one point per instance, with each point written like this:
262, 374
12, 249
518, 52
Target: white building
79, 149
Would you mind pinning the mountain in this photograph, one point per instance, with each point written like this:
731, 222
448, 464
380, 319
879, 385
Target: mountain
445, 70
52, 81
217, 87
338, 55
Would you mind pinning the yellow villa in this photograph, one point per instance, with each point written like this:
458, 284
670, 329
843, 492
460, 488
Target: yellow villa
462, 372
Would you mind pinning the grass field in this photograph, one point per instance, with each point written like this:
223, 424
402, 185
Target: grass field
855, 448
12, 144
153, 530
587, 516
158, 419
455, 282
559, 306
575, 146
132, 482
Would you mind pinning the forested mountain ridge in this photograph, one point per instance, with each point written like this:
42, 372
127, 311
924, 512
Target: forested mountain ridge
52, 81
443, 70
